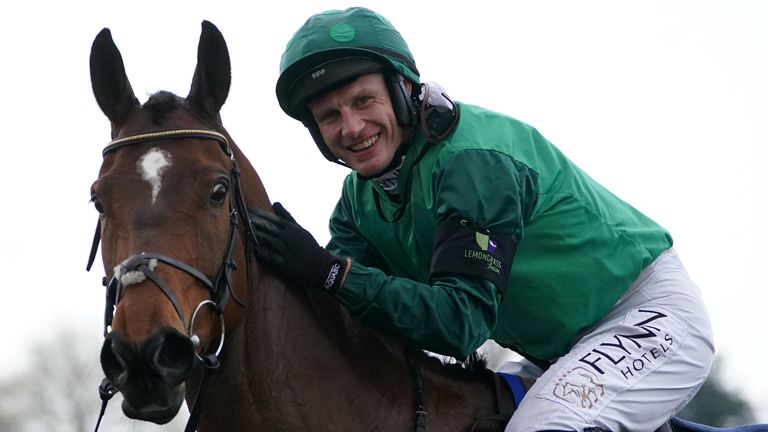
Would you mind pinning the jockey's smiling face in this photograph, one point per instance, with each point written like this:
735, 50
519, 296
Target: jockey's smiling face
358, 123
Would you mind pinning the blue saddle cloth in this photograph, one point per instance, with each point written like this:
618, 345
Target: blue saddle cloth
517, 389
680, 425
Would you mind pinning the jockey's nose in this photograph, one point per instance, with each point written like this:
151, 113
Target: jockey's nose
352, 124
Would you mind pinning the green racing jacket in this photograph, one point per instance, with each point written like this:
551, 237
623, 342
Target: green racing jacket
498, 235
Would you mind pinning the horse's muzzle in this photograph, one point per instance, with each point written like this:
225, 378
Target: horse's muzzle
150, 375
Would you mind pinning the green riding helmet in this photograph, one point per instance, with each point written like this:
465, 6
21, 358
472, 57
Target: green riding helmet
335, 47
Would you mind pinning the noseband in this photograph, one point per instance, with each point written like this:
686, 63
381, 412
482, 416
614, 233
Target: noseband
141, 266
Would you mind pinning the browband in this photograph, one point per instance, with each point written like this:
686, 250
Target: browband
167, 134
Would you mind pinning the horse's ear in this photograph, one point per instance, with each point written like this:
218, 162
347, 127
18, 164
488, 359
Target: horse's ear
210, 84
110, 84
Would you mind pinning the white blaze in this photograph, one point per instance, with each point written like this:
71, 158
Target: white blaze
152, 166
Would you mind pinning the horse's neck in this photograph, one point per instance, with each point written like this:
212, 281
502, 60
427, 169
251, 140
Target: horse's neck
227, 403
307, 328
311, 366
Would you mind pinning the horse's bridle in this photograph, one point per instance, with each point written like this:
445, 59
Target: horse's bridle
143, 264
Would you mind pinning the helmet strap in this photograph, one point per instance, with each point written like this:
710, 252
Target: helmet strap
314, 131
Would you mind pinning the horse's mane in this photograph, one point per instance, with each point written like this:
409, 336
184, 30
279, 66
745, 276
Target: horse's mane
474, 366
160, 104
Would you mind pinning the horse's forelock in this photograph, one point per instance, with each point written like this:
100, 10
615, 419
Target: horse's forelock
160, 104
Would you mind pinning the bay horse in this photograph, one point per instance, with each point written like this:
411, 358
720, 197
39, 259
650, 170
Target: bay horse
190, 315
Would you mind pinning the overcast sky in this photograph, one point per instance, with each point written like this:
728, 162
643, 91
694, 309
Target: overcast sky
663, 102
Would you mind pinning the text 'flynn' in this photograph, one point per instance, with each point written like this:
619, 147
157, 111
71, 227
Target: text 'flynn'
633, 351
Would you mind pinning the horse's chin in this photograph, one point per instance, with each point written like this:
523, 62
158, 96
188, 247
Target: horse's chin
155, 413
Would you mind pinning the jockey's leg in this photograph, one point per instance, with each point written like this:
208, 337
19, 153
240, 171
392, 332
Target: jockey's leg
634, 369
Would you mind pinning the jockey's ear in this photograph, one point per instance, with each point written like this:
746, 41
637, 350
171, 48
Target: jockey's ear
212, 78
402, 102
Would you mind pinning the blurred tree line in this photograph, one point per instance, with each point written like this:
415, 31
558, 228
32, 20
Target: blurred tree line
716, 405
58, 392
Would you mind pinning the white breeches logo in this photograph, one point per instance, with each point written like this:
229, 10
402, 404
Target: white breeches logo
579, 386
614, 359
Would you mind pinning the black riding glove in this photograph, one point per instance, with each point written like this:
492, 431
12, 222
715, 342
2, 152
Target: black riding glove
291, 251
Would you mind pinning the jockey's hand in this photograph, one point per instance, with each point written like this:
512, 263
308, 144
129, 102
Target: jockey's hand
291, 251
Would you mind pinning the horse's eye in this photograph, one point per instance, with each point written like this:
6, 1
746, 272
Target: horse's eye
219, 193
97, 205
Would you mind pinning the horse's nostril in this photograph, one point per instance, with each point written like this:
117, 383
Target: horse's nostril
173, 357
116, 356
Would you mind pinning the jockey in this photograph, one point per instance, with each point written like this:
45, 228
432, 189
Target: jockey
457, 225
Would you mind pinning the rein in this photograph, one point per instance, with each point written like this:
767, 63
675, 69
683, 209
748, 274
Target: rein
420, 413
141, 266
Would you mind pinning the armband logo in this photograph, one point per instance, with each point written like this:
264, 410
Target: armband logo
485, 242
487, 247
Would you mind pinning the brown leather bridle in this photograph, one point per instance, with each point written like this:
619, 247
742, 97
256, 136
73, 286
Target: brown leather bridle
219, 287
